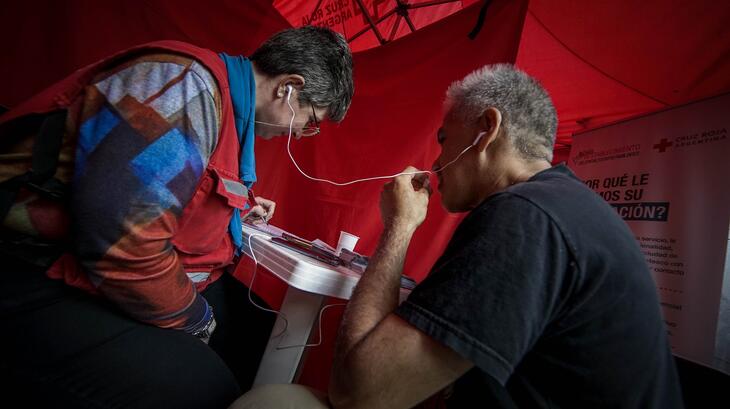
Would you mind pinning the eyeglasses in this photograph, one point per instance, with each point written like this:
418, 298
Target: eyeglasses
307, 130
312, 130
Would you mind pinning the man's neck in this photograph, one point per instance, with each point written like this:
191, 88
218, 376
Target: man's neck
524, 170
510, 171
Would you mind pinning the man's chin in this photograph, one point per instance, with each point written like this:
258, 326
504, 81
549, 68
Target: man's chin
446, 204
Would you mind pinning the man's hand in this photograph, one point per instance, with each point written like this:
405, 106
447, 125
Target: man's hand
404, 200
264, 209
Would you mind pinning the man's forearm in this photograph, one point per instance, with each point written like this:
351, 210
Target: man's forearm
376, 295
366, 365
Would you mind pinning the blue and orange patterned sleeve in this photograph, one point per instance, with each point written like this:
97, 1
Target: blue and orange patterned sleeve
146, 133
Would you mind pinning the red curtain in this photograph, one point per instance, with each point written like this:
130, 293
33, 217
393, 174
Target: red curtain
392, 123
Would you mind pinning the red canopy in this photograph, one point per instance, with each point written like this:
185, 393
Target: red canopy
369, 23
601, 61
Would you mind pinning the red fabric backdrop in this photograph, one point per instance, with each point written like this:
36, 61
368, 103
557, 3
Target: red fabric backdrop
601, 61
392, 123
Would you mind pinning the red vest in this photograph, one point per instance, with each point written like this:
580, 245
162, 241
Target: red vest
202, 241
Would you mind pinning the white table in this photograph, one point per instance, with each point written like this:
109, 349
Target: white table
309, 281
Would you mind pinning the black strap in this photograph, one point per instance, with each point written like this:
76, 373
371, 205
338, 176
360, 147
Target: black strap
480, 20
21, 249
46, 148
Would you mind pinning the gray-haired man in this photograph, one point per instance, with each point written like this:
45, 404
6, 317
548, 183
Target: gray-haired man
542, 297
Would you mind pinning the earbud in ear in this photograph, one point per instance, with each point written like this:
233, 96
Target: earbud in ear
289, 89
478, 138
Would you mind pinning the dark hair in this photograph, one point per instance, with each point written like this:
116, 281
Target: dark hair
318, 54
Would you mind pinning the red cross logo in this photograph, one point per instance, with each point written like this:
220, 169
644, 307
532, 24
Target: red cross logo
662, 145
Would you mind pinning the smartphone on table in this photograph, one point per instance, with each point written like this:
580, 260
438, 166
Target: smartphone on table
306, 248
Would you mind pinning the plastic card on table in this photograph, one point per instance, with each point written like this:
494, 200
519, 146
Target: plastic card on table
324, 246
306, 248
269, 229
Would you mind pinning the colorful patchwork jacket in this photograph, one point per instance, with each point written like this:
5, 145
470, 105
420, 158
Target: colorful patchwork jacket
151, 154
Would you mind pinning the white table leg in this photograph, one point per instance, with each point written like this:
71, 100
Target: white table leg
279, 365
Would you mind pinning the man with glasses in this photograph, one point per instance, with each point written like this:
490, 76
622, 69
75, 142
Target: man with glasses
311, 128
118, 224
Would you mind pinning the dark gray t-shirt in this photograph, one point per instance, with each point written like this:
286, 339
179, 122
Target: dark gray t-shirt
544, 288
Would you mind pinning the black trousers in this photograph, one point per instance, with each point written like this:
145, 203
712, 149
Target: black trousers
63, 348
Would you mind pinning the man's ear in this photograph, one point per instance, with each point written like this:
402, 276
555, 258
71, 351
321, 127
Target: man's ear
295, 80
490, 122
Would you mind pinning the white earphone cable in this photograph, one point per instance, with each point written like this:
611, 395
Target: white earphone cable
256, 263
279, 313
288, 149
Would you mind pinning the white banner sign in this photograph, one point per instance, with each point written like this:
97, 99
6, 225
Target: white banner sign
668, 176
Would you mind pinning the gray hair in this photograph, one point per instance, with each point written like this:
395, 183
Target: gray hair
318, 54
528, 115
